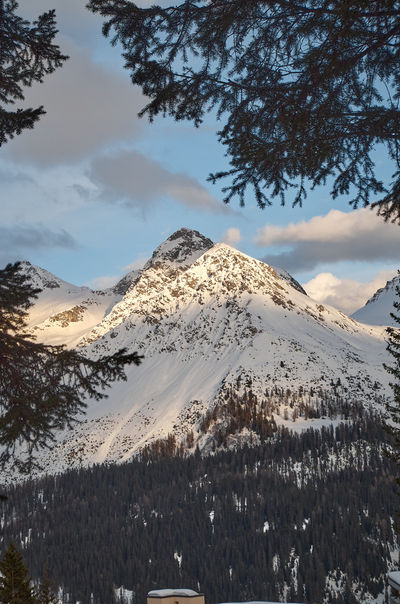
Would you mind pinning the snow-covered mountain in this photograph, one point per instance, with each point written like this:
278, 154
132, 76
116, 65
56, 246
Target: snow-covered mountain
378, 308
209, 320
64, 313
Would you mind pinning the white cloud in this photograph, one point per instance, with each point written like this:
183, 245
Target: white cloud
335, 226
87, 107
348, 295
356, 235
231, 236
137, 181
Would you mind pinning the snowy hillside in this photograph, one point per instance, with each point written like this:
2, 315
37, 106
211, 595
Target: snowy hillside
378, 308
208, 319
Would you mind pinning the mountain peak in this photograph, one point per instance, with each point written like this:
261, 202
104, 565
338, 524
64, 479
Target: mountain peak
378, 308
210, 320
39, 277
389, 287
182, 248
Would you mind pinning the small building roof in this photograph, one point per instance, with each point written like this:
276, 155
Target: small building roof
167, 593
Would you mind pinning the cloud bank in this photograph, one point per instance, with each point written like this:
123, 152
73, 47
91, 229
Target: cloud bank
358, 235
17, 241
34, 238
137, 181
347, 295
87, 107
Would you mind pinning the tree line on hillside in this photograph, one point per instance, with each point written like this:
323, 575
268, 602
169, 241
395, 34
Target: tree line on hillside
237, 525
237, 411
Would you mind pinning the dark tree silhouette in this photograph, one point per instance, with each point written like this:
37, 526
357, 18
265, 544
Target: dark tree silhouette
42, 388
27, 54
393, 347
305, 90
46, 593
15, 585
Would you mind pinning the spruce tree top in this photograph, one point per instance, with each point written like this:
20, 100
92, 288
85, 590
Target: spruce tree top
15, 584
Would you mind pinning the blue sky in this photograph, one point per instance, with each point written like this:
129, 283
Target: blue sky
92, 190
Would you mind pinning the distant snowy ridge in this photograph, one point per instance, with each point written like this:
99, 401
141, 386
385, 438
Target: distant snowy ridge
209, 320
64, 313
378, 308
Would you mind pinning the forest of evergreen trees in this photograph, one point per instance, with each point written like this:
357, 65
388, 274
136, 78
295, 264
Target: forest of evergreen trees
256, 523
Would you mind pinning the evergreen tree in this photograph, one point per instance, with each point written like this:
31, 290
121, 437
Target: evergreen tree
42, 388
305, 89
46, 593
27, 55
15, 585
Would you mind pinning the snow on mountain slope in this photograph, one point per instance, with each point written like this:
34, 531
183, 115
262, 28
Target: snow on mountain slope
209, 318
63, 312
378, 308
